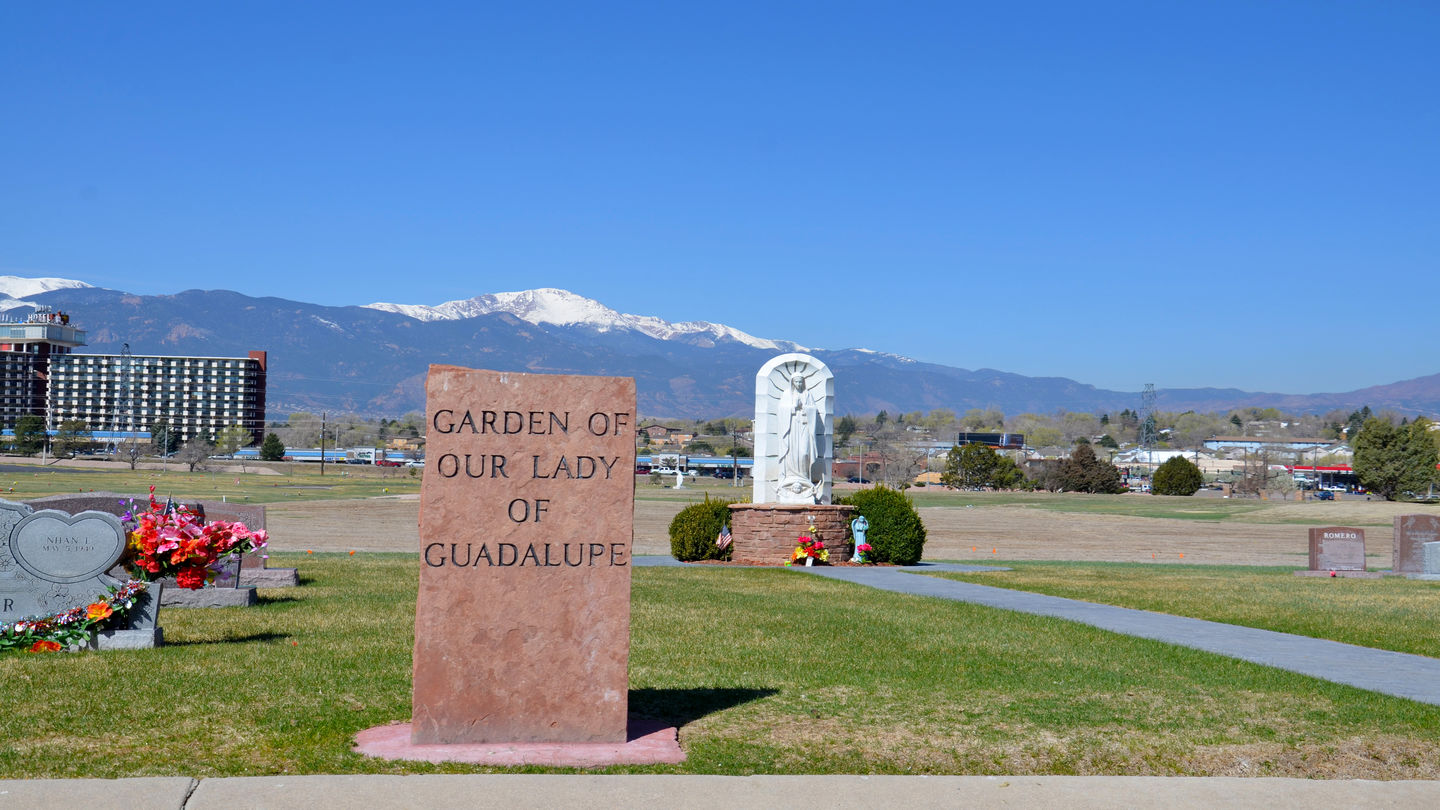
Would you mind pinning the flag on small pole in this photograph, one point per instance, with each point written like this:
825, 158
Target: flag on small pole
723, 541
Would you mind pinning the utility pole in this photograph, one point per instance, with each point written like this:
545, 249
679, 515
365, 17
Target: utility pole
322, 442
734, 459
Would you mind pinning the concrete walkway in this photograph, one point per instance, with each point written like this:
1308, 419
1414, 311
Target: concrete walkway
1408, 676
1400, 674
709, 792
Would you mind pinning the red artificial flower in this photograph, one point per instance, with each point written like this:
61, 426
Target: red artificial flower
45, 646
192, 578
98, 611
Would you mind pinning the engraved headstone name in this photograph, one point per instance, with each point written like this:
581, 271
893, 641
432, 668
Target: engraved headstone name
1337, 548
51, 561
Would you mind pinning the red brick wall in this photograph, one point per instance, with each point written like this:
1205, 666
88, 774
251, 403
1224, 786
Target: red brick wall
767, 532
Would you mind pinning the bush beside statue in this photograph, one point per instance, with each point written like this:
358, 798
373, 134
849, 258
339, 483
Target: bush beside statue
695, 532
896, 534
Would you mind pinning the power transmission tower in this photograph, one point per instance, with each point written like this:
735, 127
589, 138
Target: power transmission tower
1147, 423
126, 401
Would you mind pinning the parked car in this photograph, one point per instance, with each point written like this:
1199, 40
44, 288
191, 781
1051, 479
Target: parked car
1324, 495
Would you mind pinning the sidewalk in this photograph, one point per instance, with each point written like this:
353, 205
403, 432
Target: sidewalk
1415, 677
1399, 674
709, 792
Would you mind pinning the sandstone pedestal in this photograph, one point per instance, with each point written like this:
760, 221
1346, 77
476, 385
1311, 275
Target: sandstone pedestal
766, 533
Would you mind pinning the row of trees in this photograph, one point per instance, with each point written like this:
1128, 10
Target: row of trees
1176, 430
976, 466
73, 436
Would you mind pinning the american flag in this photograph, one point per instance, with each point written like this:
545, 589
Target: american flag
724, 539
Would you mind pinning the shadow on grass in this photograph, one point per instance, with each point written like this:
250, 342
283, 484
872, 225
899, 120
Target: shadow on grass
679, 707
229, 640
275, 600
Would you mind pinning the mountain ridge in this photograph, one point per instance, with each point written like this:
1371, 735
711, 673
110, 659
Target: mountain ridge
373, 361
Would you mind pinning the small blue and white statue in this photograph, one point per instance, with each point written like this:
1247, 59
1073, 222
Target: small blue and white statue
858, 527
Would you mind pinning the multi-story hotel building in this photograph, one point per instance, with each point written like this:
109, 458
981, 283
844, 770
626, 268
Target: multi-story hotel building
26, 348
197, 396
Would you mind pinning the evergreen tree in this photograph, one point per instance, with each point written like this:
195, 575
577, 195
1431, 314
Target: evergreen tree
30, 434
272, 449
1083, 472
1391, 461
1178, 476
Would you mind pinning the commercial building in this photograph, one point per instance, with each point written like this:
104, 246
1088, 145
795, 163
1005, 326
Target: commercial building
26, 347
197, 396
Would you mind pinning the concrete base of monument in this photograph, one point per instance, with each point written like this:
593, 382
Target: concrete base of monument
269, 577
766, 533
130, 639
173, 596
650, 743
1338, 573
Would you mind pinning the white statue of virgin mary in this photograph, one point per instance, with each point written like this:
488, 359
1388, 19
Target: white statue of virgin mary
794, 401
798, 444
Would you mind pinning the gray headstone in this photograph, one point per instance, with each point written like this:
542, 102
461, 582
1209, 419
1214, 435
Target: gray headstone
1432, 559
51, 561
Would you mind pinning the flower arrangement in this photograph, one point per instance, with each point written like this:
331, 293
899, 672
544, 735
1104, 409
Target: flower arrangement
172, 541
71, 627
810, 548
862, 554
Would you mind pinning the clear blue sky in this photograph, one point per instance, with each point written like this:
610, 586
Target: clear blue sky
1189, 194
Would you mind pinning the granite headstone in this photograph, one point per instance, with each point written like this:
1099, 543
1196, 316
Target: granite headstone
1337, 548
1412, 532
522, 625
51, 562
1432, 562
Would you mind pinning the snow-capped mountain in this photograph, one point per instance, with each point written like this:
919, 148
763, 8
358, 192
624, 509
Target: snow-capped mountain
18, 287
549, 306
13, 288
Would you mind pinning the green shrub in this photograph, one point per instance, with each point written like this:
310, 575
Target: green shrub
694, 530
1178, 476
896, 533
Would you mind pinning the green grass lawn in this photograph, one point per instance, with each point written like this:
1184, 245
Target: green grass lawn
296, 483
1391, 613
768, 671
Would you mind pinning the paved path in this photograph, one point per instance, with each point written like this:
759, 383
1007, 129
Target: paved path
1409, 676
1400, 674
586, 792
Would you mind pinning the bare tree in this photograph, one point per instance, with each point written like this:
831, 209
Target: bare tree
194, 453
131, 452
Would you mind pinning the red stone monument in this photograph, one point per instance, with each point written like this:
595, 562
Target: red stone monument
522, 625
1337, 548
1412, 532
